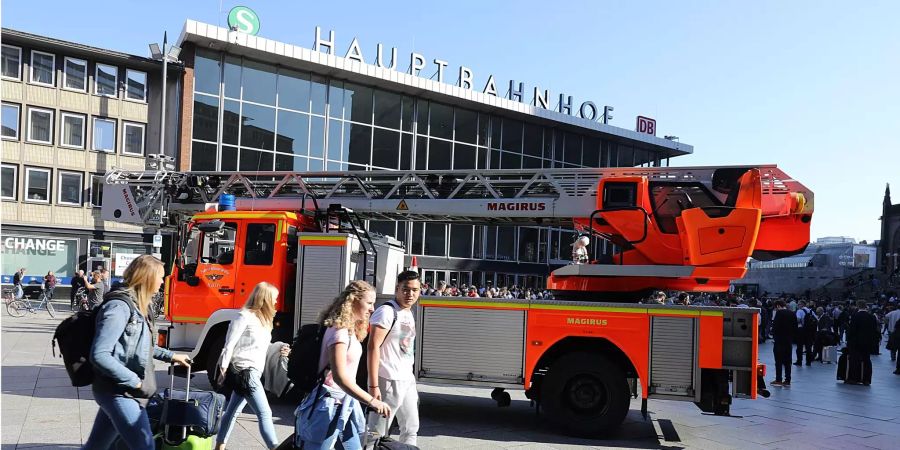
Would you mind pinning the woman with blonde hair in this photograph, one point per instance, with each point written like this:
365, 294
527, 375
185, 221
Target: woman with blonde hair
347, 322
124, 343
242, 362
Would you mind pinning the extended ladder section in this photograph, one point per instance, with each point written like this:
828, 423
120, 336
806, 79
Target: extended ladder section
541, 196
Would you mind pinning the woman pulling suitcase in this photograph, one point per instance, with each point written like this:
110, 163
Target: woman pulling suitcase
242, 361
121, 355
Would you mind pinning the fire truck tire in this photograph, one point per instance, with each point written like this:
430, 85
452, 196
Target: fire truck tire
585, 394
212, 358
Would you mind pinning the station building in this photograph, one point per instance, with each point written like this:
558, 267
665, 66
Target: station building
71, 112
254, 104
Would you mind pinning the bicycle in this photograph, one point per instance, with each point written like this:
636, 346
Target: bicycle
82, 302
18, 308
9, 296
156, 306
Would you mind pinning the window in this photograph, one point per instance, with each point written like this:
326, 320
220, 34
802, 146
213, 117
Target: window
10, 121
260, 245
217, 248
11, 62
136, 85
96, 191
8, 182
133, 139
37, 185
104, 135
70, 188
40, 125
43, 68
71, 133
75, 74
105, 80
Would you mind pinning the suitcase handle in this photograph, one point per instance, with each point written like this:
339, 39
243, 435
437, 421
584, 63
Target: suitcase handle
187, 388
187, 396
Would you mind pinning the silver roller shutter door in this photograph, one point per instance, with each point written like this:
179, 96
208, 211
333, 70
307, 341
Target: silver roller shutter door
473, 344
672, 356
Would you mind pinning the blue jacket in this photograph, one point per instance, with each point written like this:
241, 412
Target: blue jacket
122, 344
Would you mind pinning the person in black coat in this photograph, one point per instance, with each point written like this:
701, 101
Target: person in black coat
862, 334
784, 327
78, 282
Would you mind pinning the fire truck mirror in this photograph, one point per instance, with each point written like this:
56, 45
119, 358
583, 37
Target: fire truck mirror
213, 226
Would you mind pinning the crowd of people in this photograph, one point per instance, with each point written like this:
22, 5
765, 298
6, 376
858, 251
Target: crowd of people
443, 289
94, 285
123, 371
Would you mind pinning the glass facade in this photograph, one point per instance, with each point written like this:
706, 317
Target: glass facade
253, 116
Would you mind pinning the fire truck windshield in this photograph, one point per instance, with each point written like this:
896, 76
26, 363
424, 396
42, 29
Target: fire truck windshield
213, 248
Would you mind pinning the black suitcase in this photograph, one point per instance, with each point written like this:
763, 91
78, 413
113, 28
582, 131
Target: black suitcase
842, 367
186, 412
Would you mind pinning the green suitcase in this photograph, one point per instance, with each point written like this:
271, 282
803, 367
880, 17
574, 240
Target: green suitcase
191, 443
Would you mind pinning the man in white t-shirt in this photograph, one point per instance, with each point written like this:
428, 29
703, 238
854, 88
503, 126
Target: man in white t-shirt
391, 354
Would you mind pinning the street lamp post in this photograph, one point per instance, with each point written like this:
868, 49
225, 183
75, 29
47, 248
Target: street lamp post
166, 56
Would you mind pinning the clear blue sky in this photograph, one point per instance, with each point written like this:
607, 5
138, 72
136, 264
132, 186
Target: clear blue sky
813, 86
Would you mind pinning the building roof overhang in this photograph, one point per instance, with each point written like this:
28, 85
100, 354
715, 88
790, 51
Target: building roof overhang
221, 39
74, 49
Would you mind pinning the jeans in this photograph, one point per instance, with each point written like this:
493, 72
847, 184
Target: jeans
260, 406
19, 292
119, 416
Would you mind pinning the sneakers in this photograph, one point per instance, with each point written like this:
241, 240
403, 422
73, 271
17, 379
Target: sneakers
787, 383
776, 383
897, 372
798, 363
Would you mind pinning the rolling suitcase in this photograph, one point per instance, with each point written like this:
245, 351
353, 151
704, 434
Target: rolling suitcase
181, 420
829, 354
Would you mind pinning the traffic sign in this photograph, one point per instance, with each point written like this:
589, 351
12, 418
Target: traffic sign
243, 19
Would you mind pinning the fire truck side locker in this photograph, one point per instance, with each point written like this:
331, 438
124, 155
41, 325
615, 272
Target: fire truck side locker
327, 262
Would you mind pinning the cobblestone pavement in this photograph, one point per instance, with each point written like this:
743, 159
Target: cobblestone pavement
41, 409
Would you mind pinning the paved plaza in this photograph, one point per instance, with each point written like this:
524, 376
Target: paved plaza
41, 409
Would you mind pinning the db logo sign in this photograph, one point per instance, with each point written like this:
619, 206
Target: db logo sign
646, 125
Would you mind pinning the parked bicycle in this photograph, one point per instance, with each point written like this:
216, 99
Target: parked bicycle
18, 308
9, 296
82, 302
157, 306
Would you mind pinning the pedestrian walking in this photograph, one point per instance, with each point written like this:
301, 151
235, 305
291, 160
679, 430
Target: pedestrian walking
49, 284
78, 282
347, 320
121, 357
784, 327
18, 278
95, 289
891, 320
242, 361
392, 355
862, 336
807, 324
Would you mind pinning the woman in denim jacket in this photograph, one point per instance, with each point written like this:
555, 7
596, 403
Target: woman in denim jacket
122, 357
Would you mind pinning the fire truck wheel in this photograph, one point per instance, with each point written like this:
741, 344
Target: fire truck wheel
212, 358
585, 394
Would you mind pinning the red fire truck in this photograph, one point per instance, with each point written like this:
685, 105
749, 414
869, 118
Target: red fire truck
580, 357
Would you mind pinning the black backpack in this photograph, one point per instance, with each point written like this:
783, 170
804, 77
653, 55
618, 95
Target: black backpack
75, 337
303, 362
810, 323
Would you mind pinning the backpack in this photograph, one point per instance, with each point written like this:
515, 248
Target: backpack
75, 337
362, 372
303, 362
810, 323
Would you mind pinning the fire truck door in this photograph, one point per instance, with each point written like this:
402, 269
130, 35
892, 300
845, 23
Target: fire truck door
206, 283
259, 262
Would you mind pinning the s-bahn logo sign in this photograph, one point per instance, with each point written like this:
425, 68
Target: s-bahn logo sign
243, 19
465, 78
